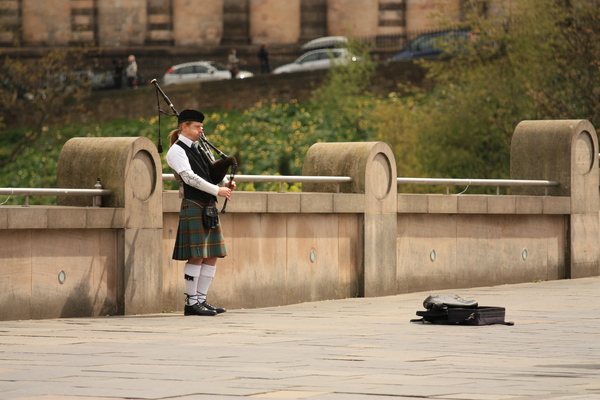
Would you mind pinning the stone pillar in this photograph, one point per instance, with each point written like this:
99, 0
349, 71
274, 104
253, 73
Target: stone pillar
372, 167
131, 169
353, 18
46, 22
565, 151
274, 21
122, 23
197, 22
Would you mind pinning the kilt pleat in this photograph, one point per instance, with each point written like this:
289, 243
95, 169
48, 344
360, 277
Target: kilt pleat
193, 239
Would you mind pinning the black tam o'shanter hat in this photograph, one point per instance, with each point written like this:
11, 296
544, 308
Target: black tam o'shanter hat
190, 115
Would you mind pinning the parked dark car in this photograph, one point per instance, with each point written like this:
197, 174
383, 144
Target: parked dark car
431, 45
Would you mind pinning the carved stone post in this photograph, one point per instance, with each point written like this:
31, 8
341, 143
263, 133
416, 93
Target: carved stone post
565, 151
131, 169
372, 167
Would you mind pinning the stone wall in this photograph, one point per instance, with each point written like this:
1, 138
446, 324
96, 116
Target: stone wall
235, 94
74, 260
133, 24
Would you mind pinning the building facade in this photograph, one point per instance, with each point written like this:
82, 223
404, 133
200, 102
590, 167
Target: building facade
196, 23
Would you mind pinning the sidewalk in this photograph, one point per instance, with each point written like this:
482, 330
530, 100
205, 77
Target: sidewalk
352, 349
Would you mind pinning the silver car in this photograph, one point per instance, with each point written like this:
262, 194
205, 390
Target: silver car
200, 71
318, 59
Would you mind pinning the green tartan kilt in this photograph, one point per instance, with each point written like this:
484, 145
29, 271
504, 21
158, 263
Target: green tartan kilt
193, 239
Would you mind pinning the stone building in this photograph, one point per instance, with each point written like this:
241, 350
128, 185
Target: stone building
114, 24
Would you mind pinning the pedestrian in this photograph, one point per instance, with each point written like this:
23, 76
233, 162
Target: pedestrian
233, 63
131, 72
118, 76
263, 56
199, 245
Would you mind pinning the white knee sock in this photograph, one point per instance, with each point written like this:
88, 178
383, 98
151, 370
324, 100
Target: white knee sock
191, 274
207, 272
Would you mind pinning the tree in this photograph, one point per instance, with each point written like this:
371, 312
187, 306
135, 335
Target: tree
538, 60
570, 87
35, 93
343, 96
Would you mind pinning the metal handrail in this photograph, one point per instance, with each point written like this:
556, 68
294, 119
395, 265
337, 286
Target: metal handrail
55, 192
283, 179
478, 182
400, 181
289, 178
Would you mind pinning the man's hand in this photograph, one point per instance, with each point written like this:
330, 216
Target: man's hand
225, 192
231, 185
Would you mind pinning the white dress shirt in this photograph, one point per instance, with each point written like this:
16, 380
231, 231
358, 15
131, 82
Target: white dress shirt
179, 162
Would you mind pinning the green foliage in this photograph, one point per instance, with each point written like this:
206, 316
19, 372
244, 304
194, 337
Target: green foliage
344, 99
539, 60
37, 93
270, 138
393, 119
568, 85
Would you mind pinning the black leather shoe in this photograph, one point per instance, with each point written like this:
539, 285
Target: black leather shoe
218, 310
198, 309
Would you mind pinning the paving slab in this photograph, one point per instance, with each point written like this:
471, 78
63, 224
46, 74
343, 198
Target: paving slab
352, 349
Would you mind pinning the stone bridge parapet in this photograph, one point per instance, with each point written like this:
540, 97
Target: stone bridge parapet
74, 260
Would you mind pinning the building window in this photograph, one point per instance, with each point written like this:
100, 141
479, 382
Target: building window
313, 19
83, 21
10, 22
392, 13
160, 22
236, 22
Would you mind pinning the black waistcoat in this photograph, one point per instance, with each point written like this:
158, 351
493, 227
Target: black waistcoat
200, 164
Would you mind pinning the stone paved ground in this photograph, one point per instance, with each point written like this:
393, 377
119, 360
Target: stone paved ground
352, 349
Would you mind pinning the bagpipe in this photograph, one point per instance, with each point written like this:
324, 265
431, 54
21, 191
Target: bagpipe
218, 168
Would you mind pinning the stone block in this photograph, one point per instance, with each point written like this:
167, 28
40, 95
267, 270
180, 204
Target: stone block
34, 217
352, 17
443, 204
87, 260
257, 246
248, 202
46, 22
557, 205
426, 246
502, 204
316, 203
67, 217
122, 23
141, 271
348, 203
208, 29
478, 253
275, 21
350, 256
413, 203
380, 276
100, 217
15, 274
472, 204
312, 258
525, 247
283, 202
171, 201
585, 247
4, 217
529, 205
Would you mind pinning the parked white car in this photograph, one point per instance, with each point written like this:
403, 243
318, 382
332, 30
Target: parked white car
318, 59
200, 71
327, 42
